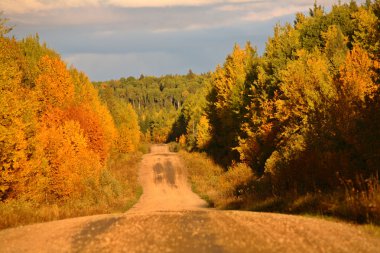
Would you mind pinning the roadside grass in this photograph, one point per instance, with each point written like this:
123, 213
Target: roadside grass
174, 146
360, 207
238, 188
118, 191
144, 147
220, 189
203, 175
372, 229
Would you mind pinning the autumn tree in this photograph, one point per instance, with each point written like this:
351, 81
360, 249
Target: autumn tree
33, 51
55, 134
13, 118
203, 135
54, 87
367, 34
227, 102
335, 47
128, 129
280, 48
87, 99
66, 163
4, 28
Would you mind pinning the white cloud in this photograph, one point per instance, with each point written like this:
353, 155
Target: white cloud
164, 3
159, 3
26, 6
101, 13
267, 10
107, 40
275, 12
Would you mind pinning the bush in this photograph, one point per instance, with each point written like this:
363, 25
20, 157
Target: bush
219, 188
234, 185
361, 201
117, 191
144, 147
204, 175
174, 147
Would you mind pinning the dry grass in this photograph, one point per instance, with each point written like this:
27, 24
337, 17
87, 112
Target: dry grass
237, 188
359, 202
117, 192
219, 188
174, 147
204, 175
372, 229
144, 147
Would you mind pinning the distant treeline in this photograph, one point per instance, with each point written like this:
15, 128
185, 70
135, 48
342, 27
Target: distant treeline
158, 101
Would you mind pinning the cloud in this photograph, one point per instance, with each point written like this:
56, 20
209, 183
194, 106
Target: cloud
168, 3
127, 20
202, 14
28, 6
113, 38
268, 12
159, 3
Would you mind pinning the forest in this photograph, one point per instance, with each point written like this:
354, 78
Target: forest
294, 130
158, 102
298, 126
59, 143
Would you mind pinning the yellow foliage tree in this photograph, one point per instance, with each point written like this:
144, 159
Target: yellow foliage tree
357, 76
55, 134
367, 35
128, 128
14, 114
54, 86
92, 129
203, 133
66, 163
94, 117
228, 99
182, 141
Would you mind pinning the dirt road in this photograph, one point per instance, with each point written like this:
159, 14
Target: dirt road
171, 218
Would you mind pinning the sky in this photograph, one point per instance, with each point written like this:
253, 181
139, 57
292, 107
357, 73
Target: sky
110, 39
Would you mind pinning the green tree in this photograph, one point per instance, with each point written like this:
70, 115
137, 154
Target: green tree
335, 47
367, 34
228, 98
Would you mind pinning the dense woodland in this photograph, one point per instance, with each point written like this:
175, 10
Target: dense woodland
303, 117
298, 124
56, 136
306, 113
165, 105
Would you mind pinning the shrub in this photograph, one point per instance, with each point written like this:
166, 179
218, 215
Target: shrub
117, 190
144, 147
361, 201
234, 184
204, 175
174, 147
219, 188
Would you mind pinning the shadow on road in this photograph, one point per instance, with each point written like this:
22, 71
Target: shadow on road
165, 174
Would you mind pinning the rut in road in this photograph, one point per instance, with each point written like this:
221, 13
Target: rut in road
169, 217
165, 183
